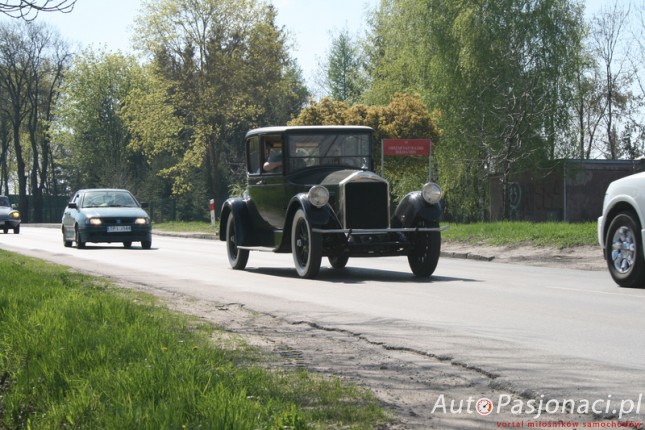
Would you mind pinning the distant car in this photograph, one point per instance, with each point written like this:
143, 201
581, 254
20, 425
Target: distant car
9, 216
105, 215
312, 192
621, 230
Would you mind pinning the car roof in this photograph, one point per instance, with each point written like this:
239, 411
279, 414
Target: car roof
102, 189
308, 128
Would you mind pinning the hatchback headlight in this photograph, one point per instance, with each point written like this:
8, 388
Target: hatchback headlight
318, 196
95, 221
15, 215
141, 221
432, 193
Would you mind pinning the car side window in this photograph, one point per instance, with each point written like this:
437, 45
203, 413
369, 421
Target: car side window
255, 155
272, 146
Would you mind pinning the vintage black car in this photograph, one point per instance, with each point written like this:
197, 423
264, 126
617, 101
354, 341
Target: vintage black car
312, 192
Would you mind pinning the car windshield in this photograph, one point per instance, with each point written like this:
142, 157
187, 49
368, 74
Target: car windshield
118, 199
4, 202
329, 149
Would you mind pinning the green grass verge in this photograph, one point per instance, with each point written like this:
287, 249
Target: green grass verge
79, 353
186, 227
556, 234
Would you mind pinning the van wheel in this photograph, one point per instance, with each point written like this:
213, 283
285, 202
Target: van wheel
625, 252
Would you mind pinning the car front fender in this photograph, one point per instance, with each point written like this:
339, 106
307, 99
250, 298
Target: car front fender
316, 216
412, 208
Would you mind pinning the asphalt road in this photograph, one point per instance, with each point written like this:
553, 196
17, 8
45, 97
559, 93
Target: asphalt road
534, 329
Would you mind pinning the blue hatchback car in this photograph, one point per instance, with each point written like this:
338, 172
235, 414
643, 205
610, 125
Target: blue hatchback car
106, 215
9, 216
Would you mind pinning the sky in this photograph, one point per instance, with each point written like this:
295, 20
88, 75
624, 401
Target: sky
108, 24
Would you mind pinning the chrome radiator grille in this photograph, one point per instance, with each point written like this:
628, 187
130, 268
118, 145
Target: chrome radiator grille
366, 205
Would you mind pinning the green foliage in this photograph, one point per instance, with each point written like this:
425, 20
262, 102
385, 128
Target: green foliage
77, 353
90, 124
220, 68
345, 79
556, 234
500, 72
404, 117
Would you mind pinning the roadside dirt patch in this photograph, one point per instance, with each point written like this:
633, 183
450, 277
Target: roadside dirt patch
407, 382
580, 258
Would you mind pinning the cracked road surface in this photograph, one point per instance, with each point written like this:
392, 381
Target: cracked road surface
510, 333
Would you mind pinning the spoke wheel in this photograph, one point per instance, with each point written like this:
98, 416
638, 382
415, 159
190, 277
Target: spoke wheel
237, 258
306, 246
424, 256
624, 251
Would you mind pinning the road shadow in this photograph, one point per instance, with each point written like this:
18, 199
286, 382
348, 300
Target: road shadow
359, 275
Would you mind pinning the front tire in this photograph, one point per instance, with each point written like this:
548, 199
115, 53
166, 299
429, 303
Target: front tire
237, 258
424, 256
625, 252
306, 246
79, 243
16, 229
146, 244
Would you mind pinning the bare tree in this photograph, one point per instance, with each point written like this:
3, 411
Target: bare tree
29, 9
611, 50
32, 60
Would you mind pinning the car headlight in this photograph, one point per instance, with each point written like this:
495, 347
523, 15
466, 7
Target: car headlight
141, 221
15, 215
432, 193
95, 221
318, 196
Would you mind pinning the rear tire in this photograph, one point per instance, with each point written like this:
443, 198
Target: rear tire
306, 246
624, 251
338, 261
424, 256
237, 258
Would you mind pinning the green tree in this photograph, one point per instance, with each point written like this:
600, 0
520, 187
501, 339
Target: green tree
222, 67
404, 117
32, 61
90, 123
500, 72
344, 76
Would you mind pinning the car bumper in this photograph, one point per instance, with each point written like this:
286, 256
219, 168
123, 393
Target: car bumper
10, 223
100, 234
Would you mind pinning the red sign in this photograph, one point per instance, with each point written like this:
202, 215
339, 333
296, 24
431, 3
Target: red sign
406, 146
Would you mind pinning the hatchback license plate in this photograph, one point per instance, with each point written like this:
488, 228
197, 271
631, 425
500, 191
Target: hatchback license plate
118, 228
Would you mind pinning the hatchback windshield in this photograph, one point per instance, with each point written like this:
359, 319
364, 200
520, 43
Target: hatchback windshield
329, 149
4, 202
96, 199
